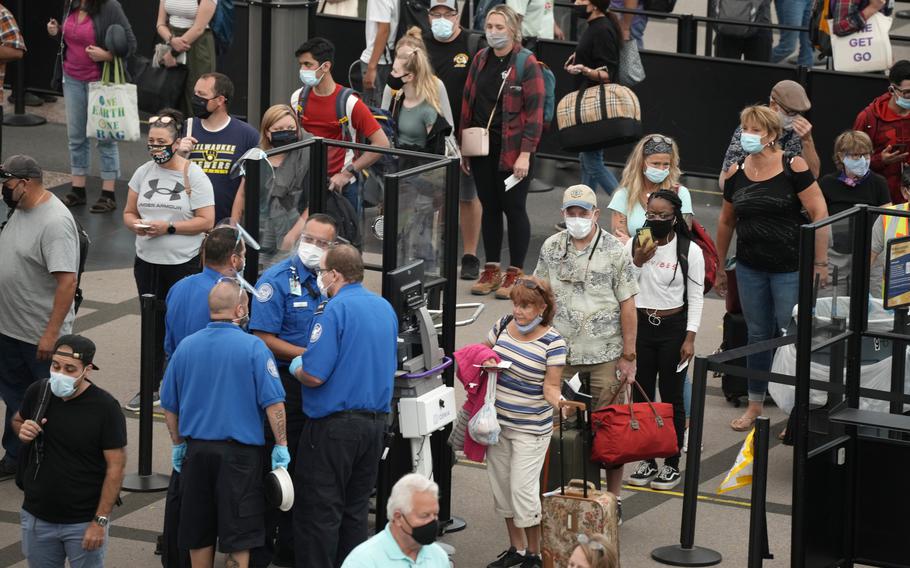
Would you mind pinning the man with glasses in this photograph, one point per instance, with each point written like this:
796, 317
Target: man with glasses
39, 256
789, 100
215, 141
288, 296
595, 289
887, 122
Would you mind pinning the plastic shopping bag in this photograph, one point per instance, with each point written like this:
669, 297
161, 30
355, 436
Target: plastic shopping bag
113, 111
484, 427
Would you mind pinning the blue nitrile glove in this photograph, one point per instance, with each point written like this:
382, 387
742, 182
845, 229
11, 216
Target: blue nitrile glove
281, 457
296, 363
178, 452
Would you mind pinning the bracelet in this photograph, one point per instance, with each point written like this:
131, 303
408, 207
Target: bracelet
820, 264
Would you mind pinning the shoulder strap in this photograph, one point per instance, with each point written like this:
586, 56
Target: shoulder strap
344, 110
396, 103
505, 321
302, 98
44, 399
788, 170
682, 256
521, 60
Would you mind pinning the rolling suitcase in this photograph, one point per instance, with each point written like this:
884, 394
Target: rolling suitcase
574, 459
735, 335
576, 507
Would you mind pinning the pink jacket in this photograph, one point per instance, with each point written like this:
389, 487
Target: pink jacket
474, 380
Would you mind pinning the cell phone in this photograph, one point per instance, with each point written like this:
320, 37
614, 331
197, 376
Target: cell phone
899, 147
142, 226
644, 237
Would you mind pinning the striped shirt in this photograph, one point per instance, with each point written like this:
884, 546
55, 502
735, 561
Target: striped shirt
182, 13
520, 404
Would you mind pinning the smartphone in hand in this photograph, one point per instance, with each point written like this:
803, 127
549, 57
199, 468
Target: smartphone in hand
644, 237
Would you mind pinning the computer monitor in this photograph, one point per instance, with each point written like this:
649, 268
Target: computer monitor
404, 289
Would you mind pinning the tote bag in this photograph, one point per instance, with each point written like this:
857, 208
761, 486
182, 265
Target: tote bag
631, 71
113, 113
626, 433
867, 50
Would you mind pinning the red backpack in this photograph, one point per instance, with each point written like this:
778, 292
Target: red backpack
708, 250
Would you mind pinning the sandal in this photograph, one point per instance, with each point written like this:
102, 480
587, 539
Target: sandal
743, 423
104, 205
72, 199
783, 435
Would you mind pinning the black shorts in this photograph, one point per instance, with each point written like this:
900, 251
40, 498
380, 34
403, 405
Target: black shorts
222, 496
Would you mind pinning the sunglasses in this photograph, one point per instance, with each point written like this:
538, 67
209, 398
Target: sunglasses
527, 283
163, 121
661, 138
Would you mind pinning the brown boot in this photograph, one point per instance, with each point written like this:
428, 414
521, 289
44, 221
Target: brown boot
508, 280
489, 281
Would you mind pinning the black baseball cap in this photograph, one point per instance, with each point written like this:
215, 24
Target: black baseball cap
20, 167
83, 348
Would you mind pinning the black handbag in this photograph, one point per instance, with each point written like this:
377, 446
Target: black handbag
33, 450
157, 87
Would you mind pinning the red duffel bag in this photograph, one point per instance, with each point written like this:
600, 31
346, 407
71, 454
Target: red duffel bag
626, 433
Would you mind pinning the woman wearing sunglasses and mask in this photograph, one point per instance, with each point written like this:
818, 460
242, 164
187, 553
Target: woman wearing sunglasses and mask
669, 303
653, 165
170, 205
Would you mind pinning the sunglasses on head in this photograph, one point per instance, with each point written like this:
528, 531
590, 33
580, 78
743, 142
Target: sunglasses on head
585, 540
163, 121
661, 138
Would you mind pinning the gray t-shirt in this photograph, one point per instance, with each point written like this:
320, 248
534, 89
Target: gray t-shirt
33, 245
413, 123
162, 197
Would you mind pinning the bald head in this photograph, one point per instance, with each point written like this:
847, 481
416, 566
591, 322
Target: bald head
225, 299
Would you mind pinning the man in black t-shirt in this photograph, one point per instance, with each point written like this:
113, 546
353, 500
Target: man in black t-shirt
76, 458
449, 48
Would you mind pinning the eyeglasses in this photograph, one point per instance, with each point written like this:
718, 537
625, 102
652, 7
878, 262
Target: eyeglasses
321, 243
440, 15
658, 216
903, 93
787, 111
857, 156
585, 540
527, 283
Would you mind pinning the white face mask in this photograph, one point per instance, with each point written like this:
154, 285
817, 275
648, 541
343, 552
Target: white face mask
579, 227
309, 255
323, 287
63, 385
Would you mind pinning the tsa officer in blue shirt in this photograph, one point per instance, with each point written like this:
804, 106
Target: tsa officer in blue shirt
220, 386
282, 317
347, 373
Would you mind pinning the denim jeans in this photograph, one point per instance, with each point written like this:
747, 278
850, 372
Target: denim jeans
49, 545
793, 13
75, 95
767, 299
595, 173
20, 368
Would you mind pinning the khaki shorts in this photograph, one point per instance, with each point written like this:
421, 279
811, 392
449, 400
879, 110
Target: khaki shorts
604, 382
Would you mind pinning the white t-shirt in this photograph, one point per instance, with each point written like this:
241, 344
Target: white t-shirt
162, 197
380, 11
537, 17
182, 13
661, 286
636, 220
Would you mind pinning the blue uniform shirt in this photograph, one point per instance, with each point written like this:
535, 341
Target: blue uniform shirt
219, 382
353, 349
288, 297
188, 307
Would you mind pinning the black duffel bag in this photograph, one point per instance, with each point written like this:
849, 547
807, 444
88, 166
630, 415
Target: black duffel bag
598, 117
157, 87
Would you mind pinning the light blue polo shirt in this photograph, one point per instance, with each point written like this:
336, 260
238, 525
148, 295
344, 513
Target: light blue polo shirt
353, 349
382, 551
188, 307
219, 383
288, 297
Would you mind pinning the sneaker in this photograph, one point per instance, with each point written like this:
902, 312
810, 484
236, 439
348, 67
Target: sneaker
667, 479
490, 279
644, 473
561, 226
470, 267
532, 561
508, 280
133, 404
508, 558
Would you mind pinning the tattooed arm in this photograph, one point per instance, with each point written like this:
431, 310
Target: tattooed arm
277, 420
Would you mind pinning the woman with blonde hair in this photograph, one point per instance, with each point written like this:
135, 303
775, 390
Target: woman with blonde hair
594, 551
764, 198
283, 195
652, 166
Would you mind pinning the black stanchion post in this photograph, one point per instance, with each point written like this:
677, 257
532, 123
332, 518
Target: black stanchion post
709, 29
251, 216
319, 179
686, 553
20, 117
687, 34
757, 515
145, 481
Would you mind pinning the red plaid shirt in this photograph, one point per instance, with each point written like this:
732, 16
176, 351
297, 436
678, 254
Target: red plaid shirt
9, 37
522, 107
848, 17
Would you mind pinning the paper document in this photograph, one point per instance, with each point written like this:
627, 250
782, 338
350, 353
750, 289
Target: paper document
682, 365
512, 181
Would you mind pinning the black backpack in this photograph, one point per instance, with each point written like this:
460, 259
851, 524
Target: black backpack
339, 208
740, 10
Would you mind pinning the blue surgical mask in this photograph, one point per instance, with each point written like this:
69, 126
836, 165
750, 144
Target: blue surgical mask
903, 103
529, 327
856, 166
751, 143
442, 28
62, 385
308, 77
656, 175
497, 40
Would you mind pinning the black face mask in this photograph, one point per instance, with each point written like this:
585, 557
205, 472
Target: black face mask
581, 12
200, 107
8, 197
424, 535
395, 83
161, 154
284, 137
660, 229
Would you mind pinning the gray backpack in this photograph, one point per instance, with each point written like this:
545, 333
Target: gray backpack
742, 11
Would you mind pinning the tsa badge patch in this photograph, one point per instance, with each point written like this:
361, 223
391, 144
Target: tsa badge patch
317, 333
272, 368
264, 293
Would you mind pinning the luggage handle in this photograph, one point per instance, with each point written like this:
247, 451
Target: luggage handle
562, 453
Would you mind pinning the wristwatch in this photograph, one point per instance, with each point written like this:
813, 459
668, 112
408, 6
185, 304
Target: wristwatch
171, 229
101, 521
629, 356
351, 169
